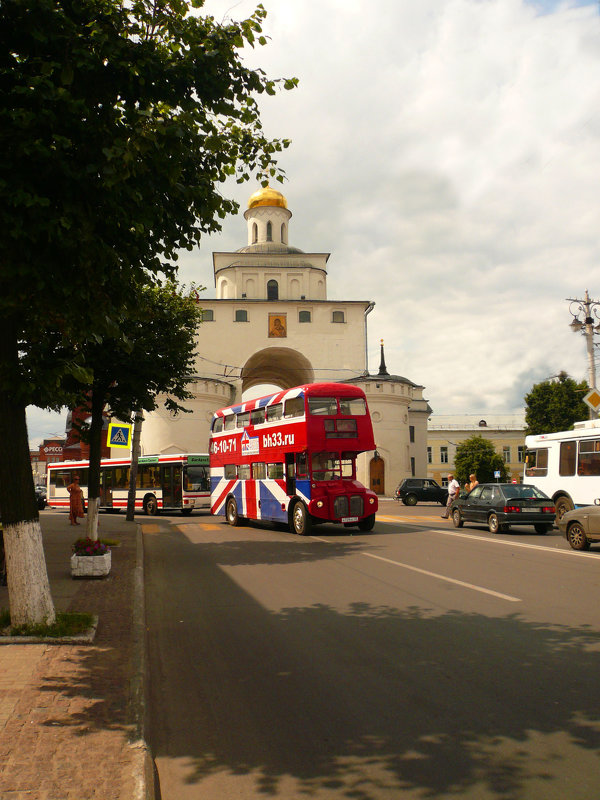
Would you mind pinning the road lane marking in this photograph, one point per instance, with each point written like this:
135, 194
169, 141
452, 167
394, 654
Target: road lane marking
517, 544
446, 578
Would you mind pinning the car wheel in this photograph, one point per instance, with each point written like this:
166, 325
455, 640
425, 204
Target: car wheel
542, 527
576, 537
301, 521
411, 500
457, 519
367, 523
231, 512
494, 524
562, 505
150, 506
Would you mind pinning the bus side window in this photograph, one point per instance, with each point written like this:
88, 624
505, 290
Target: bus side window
536, 463
323, 406
243, 419
568, 454
259, 471
301, 464
230, 471
274, 412
275, 471
257, 417
229, 423
353, 406
243, 472
294, 407
217, 424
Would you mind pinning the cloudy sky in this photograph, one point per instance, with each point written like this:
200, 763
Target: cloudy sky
447, 154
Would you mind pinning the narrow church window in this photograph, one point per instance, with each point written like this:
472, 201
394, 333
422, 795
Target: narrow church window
269, 231
283, 233
254, 233
241, 315
304, 316
338, 316
272, 289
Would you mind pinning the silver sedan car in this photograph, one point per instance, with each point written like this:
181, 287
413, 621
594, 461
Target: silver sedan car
581, 526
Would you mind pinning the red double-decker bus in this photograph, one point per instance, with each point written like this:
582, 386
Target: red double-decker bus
291, 457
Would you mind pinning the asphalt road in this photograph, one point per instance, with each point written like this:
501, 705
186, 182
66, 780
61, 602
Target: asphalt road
417, 661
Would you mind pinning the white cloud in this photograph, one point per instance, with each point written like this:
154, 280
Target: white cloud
447, 153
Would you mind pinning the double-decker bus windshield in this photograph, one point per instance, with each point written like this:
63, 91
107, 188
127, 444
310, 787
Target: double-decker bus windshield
330, 466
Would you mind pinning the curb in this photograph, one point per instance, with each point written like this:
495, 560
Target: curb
144, 763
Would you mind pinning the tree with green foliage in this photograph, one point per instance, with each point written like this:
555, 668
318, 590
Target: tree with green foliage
478, 455
118, 123
153, 357
555, 405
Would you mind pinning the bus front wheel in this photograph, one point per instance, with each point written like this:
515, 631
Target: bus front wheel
367, 523
231, 512
150, 506
301, 522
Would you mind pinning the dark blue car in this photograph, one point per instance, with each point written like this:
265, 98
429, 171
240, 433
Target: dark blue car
499, 505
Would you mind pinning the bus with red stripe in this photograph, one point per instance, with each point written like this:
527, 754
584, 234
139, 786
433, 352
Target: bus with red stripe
291, 457
173, 482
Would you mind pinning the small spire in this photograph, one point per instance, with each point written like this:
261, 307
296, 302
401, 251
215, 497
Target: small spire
382, 367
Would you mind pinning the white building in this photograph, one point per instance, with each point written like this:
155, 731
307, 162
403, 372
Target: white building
271, 323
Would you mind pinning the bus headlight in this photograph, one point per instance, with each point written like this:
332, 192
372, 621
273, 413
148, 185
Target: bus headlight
319, 504
371, 500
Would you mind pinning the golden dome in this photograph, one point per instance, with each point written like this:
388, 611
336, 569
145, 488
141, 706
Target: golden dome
267, 197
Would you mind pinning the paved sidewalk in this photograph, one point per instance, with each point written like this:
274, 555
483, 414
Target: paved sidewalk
71, 715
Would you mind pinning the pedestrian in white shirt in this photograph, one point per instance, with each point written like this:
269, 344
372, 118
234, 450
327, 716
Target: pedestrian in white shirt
453, 490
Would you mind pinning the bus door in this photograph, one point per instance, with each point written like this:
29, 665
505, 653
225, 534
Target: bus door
290, 475
106, 488
171, 477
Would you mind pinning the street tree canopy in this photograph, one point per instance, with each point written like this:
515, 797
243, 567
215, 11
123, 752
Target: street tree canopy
478, 455
118, 123
555, 405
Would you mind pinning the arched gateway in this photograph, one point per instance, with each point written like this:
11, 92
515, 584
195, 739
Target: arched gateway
271, 323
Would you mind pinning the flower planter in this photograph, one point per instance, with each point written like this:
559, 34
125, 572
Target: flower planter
90, 566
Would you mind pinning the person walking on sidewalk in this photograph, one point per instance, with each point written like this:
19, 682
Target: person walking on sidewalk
75, 501
453, 490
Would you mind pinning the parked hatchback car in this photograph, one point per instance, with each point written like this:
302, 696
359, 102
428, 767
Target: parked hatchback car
581, 526
500, 505
424, 490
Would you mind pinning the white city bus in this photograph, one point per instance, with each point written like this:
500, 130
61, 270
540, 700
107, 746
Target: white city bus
164, 483
566, 465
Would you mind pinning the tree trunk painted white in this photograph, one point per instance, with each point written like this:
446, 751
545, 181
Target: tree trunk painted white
91, 530
28, 585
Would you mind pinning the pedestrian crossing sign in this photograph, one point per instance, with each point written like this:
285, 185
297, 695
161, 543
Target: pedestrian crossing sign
119, 435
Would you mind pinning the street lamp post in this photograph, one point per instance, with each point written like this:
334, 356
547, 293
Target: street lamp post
589, 309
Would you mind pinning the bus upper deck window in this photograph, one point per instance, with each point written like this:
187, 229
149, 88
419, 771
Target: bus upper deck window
354, 406
274, 412
324, 406
217, 424
294, 407
243, 420
229, 423
257, 417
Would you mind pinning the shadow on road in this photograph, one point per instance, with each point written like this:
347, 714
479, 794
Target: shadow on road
364, 702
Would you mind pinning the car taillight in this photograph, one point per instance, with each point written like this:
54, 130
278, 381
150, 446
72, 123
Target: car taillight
549, 510
511, 509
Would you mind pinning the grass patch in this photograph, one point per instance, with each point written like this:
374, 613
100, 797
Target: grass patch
65, 625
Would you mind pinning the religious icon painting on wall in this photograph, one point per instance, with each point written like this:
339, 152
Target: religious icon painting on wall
277, 325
